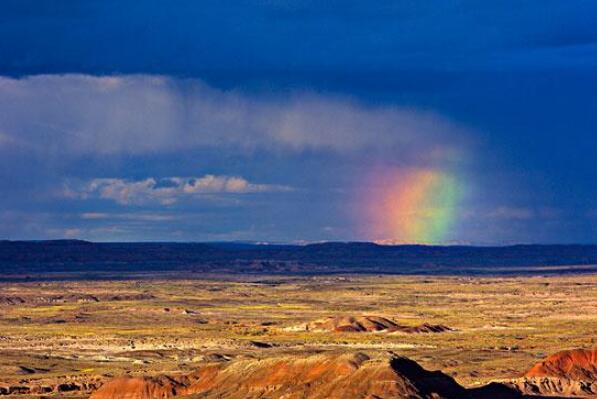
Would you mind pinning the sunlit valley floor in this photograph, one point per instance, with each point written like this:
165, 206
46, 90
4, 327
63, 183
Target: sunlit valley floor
72, 336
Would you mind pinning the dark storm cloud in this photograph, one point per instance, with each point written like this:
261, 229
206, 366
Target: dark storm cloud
299, 94
244, 37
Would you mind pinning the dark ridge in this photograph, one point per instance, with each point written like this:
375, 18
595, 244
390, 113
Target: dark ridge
64, 256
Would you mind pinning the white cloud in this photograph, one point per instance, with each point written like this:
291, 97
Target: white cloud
139, 114
165, 191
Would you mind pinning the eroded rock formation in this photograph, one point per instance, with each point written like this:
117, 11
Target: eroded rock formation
317, 377
566, 373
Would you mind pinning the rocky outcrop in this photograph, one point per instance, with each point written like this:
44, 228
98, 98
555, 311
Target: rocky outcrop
555, 386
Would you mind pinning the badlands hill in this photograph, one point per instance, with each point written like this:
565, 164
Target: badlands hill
324, 376
356, 376
317, 377
139, 388
369, 324
568, 373
577, 364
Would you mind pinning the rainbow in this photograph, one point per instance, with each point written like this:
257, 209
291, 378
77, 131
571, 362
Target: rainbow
411, 206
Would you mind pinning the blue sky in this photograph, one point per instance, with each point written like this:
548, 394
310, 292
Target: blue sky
282, 120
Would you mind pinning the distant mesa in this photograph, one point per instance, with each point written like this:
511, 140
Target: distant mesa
568, 373
370, 324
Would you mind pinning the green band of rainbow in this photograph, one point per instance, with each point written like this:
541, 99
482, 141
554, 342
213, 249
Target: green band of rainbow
414, 205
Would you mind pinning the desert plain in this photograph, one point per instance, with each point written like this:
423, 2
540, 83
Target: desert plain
66, 338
